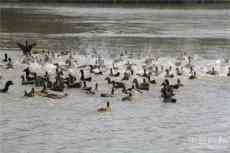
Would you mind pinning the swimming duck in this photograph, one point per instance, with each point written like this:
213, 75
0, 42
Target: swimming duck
126, 76
151, 81
228, 74
108, 79
6, 87
127, 98
168, 75
106, 109
178, 72
82, 78
212, 72
24, 82
74, 84
177, 85
117, 85
193, 76
93, 70
107, 94
29, 94
142, 86
112, 74
143, 75
167, 94
28, 73
5, 58
9, 65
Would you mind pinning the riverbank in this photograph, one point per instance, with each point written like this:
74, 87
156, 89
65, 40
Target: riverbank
121, 1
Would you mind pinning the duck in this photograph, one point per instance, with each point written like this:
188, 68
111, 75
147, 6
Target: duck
228, 74
29, 94
143, 75
126, 76
151, 81
168, 75
5, 57
24, 82
28, 73
108, 79
127, 98
9, 65
82, 78
178, 72
6, 87
105, 109
93, 69
112, 74
167, 94
142, 86
88, 89
74, 84
193, 76
107, 94
169, 100
212, 72
117, 85
177, 85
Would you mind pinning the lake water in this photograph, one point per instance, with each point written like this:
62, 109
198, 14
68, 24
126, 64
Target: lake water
198, 123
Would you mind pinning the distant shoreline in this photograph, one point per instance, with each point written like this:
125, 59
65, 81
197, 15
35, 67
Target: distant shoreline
120, 1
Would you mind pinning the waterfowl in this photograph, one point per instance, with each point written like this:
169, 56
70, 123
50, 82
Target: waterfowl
6, 87
167, 94
29, 94
5, 58
28, 73
112, 74
117, 85
108, 79
142, 86
26, 49
126, 76
177, 85
178, 72
168, 75
151, 81
93, 70
193, 76
106, 109
107, 94
82, 78
24, 82
169, 100
143, 75
212, 72
74, 84
85, 87
127, 98
228, 74
58, 86
9, 65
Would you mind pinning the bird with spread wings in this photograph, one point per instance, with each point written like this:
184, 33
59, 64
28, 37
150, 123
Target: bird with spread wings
26, 48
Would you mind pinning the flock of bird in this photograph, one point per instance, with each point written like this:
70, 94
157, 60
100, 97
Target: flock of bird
121, 77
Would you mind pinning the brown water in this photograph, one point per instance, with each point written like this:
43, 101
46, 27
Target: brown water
200, 29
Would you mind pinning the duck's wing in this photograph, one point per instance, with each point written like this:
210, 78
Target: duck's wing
22, 47
29, 47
